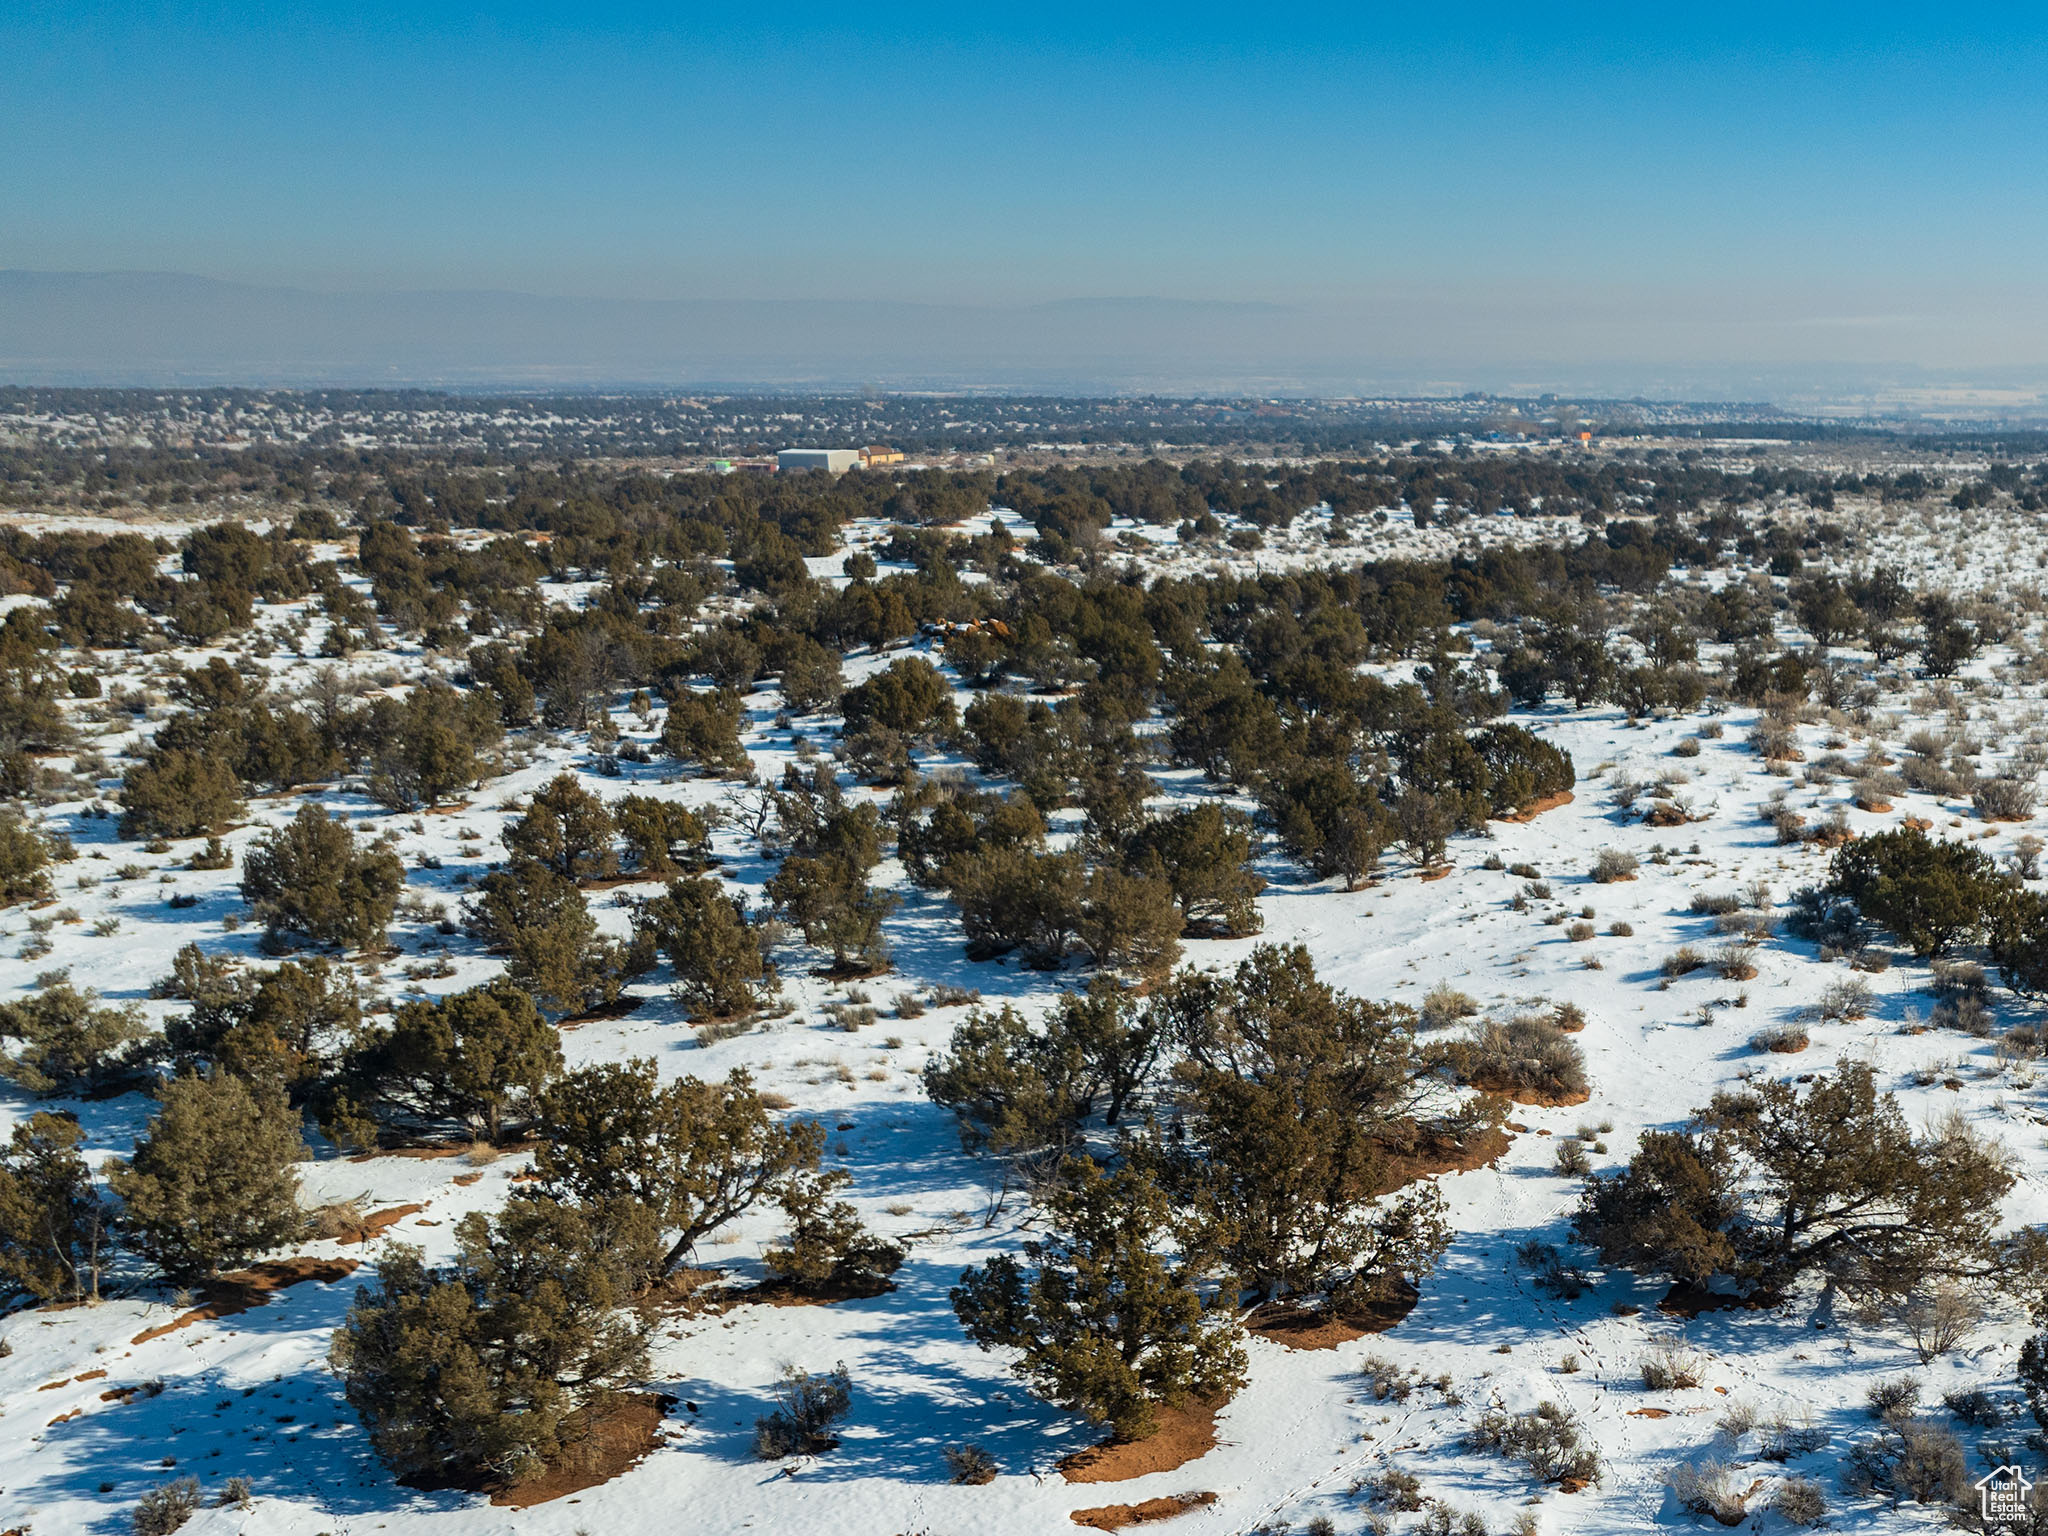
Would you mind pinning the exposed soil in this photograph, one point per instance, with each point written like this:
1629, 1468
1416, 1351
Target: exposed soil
1422, 1152
851, 970
1686, 1299
1434, 874
241, 1289
376, 1222
1535, 1097
423, 1154
619, 1439
685, 1291
1538, 806
1305, 1328
1114, 1517
1183, 1435
783, 1293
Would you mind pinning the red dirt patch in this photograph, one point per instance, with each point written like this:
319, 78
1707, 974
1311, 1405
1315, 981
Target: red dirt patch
1649, 1413
1434, 874
1304, 1328
241, 1289
1537, 807
120, 1394
424, 1154
1686, 1299
376, 1222
467, 1179
1419, 1152
1114, 1517
619, 1440
1183, 1435
1533, 1097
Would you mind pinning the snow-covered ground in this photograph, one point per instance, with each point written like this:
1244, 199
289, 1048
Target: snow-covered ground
249, 1395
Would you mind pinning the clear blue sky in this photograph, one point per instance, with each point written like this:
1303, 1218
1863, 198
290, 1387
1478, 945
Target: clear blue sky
1838, 164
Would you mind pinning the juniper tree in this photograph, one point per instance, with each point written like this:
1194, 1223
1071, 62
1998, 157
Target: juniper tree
1202, 853
477, 1057
1290, 1095
1130, 922
1768, 1184
311, 877
491, 1368
70, 1043
55, 1230
537, 918
694, 1155
661, 837
1928, 891
178, 794
292, 1022
704, 729
212, 1182
566, 830
1104, 1323
827, 1250
25, 856
721, 967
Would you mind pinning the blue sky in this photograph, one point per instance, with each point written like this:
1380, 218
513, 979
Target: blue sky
1829, 167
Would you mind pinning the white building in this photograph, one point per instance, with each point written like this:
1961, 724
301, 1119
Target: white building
837, 460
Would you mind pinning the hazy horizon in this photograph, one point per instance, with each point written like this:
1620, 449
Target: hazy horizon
1820, 203
156, 329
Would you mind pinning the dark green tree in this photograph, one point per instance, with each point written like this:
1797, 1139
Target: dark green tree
70, 1043
1927, 891
212, 1183
55, 1231
721, 967
491, 1369
695, 1155
566, 829
1103, 1323
310, 877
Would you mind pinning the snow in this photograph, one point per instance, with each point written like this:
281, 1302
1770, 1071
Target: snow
248, 1395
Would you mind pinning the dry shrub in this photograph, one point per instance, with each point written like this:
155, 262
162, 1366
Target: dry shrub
1529, 1058
1735, 962
1784, 1039
1800, 1502
336, 1221
1612, 864
1547, 1441
2004, 799
166, 1507
1848, 999
1709, 1488
971, 1465
1444, 1005
1670, 1368
807, 1408
1894, 1398
1682, 961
